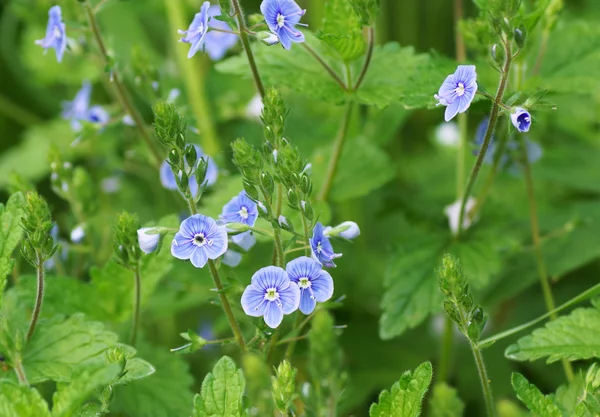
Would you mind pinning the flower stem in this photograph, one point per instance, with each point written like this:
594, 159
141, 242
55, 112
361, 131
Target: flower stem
488, 135
246, 45
235, 328
135, 322
485, 382
120, 90
325, 65
20, 371
39, 295
368, 56
337, 152
539, 255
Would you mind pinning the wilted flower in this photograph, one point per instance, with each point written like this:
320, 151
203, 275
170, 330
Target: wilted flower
271, 294
148, 242
199, 239
282, 16
56, 36
457, 91
347, 230
217, 43
453, 213
315, 284
167, 178
197, 30
79, 109
321, 248
521, 119
240, 209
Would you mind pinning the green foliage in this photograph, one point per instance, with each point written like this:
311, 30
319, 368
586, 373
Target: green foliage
21, 400
445, 402
222, 391
258, 384
406, 395
531, 396
564, 338
284, 386
10, 234
341, 31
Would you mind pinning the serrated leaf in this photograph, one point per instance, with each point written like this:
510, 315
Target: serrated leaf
539, 404
406, 395
341, 30
10, 234
222, 391
20, 401
568, 337
445, 402
135, 368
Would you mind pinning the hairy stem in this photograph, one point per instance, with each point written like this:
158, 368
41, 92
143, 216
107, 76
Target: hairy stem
120, 89
20, 372
235, 328
39, 295
337, 152
135, 322
246, 45
368, 56
485, 382
325, 65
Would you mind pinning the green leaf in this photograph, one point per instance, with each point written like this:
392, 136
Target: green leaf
21, 401
10, 234
341, 31
539, 404
406, 395
222, 391
568, 337
445, 401
70, 396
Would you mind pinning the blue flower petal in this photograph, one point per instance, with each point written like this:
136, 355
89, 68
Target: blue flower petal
322, 287
232, 258
270, 277
253, 301
290, 298
307, 302
182, 249
273, 314
199, 258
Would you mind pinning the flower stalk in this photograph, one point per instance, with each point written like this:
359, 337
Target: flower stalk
485, 381
39, 295
136, 304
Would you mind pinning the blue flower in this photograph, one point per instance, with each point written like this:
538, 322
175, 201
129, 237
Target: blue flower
148, 242
457, 91
315, 284
56, 36
197, 30
199, 239
521, 119
217, 43
167, 178
232, 258
271, 294
282, 16
79, 109
321, 248
240, 209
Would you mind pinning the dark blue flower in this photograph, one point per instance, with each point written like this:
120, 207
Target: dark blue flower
240, 209
315, 284
271, 294
521, 119
56, 36
217, 43
282, 16
197, 30
321, 248
199, 239
79, 110
167, 178
457, 91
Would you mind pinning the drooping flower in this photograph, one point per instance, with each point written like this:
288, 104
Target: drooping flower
148, 242
321, 248
240, 209
56, 36
197, 30
271, 294
199, 239
453, 213
315, 284
347, 230
217, 43
521, 119
282, 16
79, 110
167, 178
457, 91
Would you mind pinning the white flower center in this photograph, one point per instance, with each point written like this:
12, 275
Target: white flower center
280, 20
460, 90
201, 240
319, 249
304, 283
271, 294
56, 32
243, 213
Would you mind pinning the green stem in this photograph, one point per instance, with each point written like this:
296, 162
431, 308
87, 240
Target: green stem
368, 56
135, 322
194, 78
39, 295
20, 371
460, 154
246, 45
20, 115
235, 328
289, 352
485, 382
306, 241
325, 65
446, 353
337, 152
488, 136
120, 90
539, 254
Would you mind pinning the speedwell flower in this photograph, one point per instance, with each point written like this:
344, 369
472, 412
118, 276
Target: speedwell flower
457, 91
217, 43
240, 209
315, 284
271, 294
197, 30
56, 36
321, 248
521, 119
282, 16
148, 242
79, 109
199, 239
347, 230
167, 178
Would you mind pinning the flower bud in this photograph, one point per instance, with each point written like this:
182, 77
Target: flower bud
307, 210
251, 190
520, 36
292, 198
284, 224
347, 230
169, 126
268, 38
148, 241
191, 155
284, 386
266, 181
521, 119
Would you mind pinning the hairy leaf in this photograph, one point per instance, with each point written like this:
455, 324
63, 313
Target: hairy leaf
539, 404
20, 401
341, 30
222, 391
445, 401
10, 234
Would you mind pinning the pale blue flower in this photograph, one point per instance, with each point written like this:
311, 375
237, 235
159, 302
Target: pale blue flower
282, 16
197, 30
79, 110
216, 43
56, 36
167, 178
240, 209
321, 248
148, 242
199, 239
315, 284
521, 119
271, 294
347, 230
232, 258
457, 91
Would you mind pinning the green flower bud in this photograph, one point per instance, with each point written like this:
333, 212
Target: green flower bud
190, 155
251, 190
169, 126
127, 249
284, 386
273, 115
266, 181
38, 245
292, 198
307, 210
520, 36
